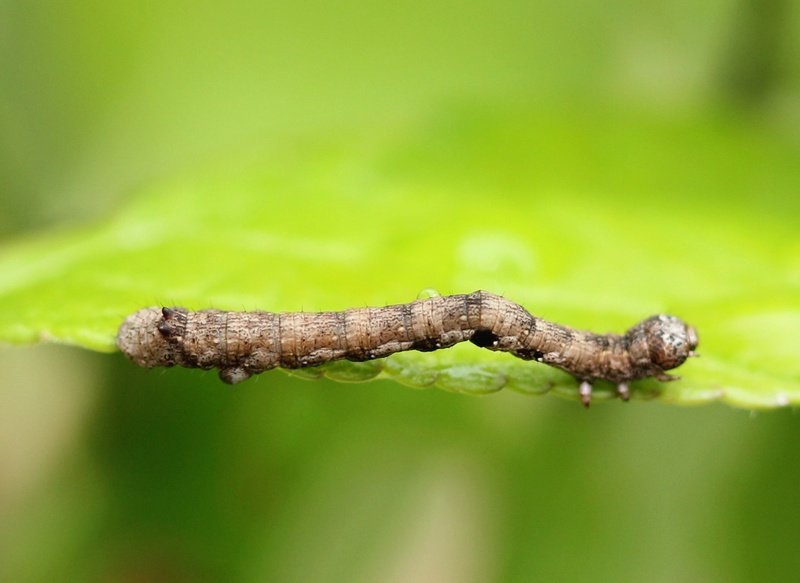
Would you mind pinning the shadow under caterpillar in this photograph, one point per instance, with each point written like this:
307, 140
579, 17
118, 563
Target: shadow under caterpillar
241, 344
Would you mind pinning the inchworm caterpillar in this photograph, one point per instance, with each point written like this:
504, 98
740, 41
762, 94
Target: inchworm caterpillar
242, 344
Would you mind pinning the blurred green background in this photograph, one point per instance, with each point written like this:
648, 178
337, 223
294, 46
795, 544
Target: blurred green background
104, 477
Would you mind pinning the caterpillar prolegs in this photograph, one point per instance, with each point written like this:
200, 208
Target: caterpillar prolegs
241, 344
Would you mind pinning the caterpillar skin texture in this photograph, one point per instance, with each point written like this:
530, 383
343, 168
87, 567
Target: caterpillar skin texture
242, 344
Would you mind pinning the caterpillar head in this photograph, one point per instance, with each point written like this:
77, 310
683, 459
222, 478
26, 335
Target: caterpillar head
670, 341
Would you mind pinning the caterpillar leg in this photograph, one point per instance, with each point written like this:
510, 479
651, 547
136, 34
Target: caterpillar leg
234, 375
585, 392
623, 391
664, 377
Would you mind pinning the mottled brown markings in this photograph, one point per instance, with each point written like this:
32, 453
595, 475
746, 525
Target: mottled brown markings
242, 344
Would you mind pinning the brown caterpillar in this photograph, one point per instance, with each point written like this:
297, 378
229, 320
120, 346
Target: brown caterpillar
242, 344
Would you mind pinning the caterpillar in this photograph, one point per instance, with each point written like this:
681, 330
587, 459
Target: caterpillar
241, 344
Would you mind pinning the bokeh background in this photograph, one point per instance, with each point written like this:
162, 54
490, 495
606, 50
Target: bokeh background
104, 477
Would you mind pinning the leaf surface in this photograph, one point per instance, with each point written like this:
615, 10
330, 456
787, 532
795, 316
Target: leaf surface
591, 221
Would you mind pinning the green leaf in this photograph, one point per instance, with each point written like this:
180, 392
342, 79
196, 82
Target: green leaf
591, 220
